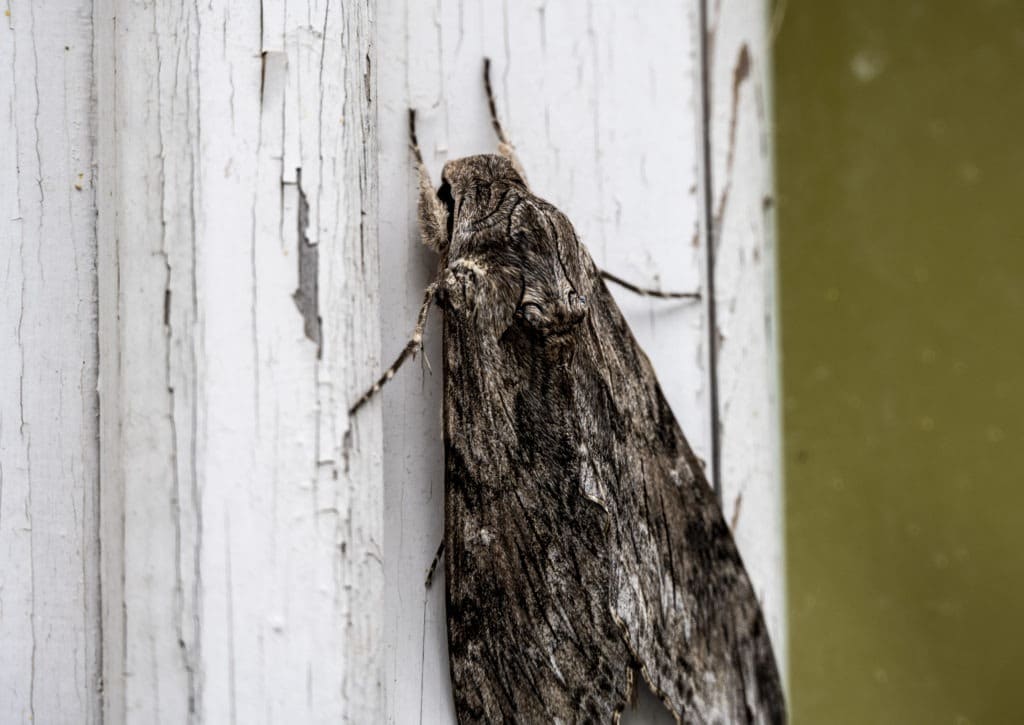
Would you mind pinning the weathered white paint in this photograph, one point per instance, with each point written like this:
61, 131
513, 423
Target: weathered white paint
49, 583
242, 574
604, 104
743, 228
246, 574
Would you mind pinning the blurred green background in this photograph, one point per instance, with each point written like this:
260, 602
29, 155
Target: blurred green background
900, 157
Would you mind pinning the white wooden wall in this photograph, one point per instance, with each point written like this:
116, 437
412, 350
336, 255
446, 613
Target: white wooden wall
214, 540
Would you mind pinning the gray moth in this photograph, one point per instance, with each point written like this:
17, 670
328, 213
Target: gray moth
583, 546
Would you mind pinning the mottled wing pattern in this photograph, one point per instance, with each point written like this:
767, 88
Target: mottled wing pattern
582, 540
678, 586
531, 636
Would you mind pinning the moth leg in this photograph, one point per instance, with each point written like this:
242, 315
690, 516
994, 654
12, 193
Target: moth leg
505, 147
649, 292
433, 565
415, 344
433, 215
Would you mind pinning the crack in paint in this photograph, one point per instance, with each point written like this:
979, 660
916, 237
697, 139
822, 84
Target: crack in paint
740, 73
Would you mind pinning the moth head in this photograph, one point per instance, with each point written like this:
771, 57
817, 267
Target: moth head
473, 188
527, 247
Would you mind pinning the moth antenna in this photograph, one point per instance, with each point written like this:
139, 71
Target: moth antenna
412, 137
415, 343
505, 147
490, 103
433, 565
649, 292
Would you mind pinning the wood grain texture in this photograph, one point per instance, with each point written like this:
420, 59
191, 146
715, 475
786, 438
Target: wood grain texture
49, 553
238, 286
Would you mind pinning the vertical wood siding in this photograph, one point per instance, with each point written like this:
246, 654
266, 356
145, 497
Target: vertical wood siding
200, 188
238, 211
49, 550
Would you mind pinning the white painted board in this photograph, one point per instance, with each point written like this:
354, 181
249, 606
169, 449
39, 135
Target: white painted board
49, 551
242, 574
746, 336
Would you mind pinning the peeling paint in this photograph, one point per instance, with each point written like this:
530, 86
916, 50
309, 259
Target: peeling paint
306, 297
226, 596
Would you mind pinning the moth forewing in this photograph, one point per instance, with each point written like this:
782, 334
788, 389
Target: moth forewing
581, 535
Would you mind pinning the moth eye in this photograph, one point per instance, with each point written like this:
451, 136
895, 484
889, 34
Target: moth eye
444, 193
